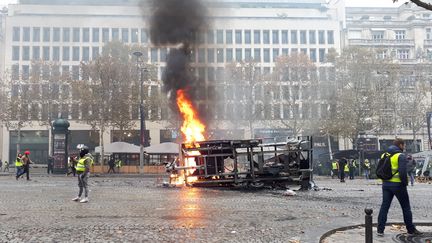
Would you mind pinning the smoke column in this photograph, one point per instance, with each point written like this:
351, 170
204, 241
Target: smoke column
177, 24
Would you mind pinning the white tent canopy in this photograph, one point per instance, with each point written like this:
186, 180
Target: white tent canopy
163, 148
120, 148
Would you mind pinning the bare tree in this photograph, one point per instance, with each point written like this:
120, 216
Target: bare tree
419, 3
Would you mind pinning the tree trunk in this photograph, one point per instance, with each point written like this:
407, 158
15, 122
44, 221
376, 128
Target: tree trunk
414, 142
251, 129
329, 147
18, 146
101, 143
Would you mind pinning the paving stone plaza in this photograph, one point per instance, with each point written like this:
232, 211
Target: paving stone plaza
140, 209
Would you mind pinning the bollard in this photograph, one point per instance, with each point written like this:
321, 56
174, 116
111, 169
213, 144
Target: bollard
368, 225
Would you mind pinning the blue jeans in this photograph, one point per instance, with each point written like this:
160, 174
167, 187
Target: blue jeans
366, 172
401, 194
19, 171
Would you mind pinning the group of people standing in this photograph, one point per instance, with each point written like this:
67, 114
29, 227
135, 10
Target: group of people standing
114, 163
22, 165
347, 167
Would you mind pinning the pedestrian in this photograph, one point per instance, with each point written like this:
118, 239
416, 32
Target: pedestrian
26, 161
335, 169
411, 167
352, 168
83, 171
50, 165
6, 166
118, 165
396, 186
111, 165
1, 164
19, 166
342, 165
346, 169
366, 169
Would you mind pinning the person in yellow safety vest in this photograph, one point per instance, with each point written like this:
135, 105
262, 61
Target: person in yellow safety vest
346, 170
118, 165
83, 170
366, 169
19, 166
396, 186
352, 166
335, 169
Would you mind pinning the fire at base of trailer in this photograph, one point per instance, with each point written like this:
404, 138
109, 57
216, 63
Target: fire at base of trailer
248, 163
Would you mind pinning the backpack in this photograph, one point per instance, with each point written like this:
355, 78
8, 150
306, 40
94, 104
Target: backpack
384, 170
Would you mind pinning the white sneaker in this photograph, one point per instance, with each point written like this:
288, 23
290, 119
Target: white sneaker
84, 200
76, 199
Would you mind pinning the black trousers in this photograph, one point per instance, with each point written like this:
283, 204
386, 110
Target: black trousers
27, 171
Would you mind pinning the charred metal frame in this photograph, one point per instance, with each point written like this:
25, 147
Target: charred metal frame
248, 162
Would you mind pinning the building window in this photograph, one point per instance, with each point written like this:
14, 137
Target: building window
210, 55
285, 51
312, 54
321, 37
201, 55
275, 36
302, 36
403, 54
56, 53
66, 34
321, 55
105, 35
248, 38
163, 55
56, 34
284, 36
66, 53
26, 53
115, 34
267, 55
154, 55
219, 36
312, 37
36, 52
428, 33
400, 34
125, 35
86, 35
75, 53
229, 36
248, 54
239, 54
134, 35
144, 36
266, 36
46, 34
85, 53
377, 35
95, 34
294, 38
16, 34
275, 54
210, 74
76, 35
15, 53
26, 34
330, 37
238, 37
46, 53
220, 55
15, 72
25, 72
229, 55
75, 72
95, 52
210, 37
36, 34
257, 54
257, 37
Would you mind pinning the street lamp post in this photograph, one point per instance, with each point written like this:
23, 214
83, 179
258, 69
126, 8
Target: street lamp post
138, 55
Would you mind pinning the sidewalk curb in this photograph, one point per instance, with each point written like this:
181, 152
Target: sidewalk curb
345, 228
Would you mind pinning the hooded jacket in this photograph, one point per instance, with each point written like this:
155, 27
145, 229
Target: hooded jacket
402, 167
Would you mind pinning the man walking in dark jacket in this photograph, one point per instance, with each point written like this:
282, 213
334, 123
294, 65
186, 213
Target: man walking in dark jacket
342, 162
396, 186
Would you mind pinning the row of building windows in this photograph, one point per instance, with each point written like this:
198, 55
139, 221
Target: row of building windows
200, 55
136, 35
230, 111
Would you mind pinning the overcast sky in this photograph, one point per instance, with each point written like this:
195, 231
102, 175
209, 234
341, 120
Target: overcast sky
349, 3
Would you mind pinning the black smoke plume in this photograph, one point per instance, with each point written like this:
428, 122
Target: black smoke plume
178, 24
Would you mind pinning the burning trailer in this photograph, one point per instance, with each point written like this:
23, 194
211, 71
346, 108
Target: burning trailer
244, 163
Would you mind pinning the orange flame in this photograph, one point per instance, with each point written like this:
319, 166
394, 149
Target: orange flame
192, 129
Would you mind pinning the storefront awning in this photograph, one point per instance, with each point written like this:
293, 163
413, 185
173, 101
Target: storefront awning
119, 148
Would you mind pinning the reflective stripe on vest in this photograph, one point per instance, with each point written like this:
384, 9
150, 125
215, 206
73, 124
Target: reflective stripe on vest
395, 167
334, 166
18, 163
80, 166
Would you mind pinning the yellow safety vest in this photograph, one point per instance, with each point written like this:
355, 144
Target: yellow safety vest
80, 166
18, 163
394, 160
334, 165
346, 169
